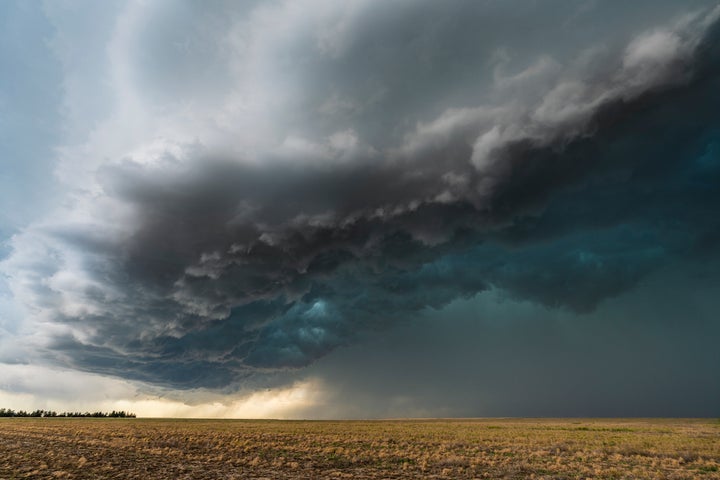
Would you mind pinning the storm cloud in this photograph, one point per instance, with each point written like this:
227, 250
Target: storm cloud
313, 181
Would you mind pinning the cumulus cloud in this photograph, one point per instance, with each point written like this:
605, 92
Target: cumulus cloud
318, 178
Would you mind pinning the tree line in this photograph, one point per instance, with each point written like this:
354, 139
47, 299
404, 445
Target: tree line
7, 412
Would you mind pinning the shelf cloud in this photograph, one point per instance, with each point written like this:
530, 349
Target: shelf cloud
264, 183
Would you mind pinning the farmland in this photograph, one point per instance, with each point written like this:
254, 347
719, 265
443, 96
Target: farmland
238, 449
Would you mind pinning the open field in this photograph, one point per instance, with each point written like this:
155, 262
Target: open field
485, 448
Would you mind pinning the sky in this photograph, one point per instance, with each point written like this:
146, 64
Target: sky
360, 209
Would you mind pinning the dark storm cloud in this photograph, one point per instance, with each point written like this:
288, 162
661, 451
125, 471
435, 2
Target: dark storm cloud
228, 267
647, 352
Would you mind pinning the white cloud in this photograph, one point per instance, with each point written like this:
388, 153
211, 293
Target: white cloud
566, 98
30, 387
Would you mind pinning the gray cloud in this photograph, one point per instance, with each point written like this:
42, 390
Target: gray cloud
646, 352
200, 266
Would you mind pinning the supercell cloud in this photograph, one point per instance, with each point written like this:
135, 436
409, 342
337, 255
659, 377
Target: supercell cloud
247, 187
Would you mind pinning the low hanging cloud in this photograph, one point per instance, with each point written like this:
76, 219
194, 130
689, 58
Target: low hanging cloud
197, 263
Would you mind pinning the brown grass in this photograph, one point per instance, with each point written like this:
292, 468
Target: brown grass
486, 448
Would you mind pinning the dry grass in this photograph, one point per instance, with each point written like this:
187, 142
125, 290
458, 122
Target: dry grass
228, 449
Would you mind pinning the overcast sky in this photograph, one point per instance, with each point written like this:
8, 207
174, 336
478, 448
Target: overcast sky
326, 209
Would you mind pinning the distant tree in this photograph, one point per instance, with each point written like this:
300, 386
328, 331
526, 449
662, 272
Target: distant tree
8, 412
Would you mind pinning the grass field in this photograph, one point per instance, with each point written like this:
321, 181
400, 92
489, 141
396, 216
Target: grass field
234, 449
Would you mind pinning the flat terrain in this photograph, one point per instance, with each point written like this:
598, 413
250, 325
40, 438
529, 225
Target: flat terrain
485, 448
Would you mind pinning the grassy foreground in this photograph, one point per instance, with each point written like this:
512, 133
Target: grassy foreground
484, 448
